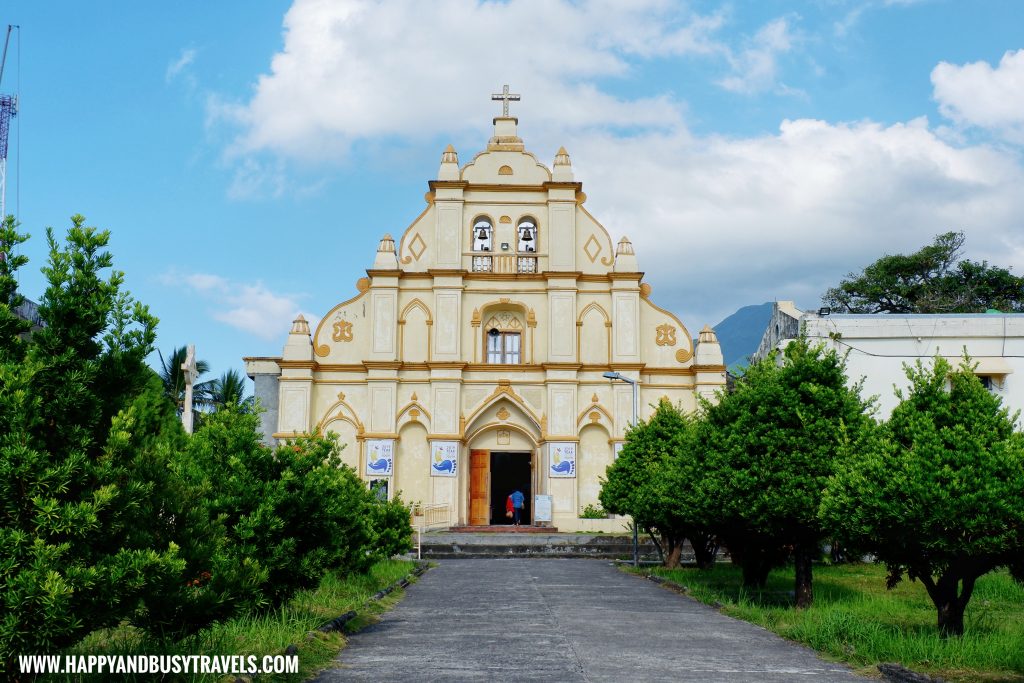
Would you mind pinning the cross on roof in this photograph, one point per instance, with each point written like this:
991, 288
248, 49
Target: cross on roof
505, 98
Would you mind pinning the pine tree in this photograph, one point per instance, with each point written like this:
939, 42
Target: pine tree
78, 407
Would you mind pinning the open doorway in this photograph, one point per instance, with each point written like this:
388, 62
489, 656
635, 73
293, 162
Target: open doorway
510, 471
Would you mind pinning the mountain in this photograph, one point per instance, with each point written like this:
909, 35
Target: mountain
740, 333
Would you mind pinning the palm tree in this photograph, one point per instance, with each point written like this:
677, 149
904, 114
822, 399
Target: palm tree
173, 378
230, 389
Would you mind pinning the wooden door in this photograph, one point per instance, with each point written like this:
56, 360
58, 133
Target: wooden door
479, 475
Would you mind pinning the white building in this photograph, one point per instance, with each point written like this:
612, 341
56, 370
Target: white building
879, 345
473, 358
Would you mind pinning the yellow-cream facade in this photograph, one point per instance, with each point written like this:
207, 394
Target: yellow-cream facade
472, 358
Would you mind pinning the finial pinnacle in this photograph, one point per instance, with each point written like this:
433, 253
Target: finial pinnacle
299, 325
386, 243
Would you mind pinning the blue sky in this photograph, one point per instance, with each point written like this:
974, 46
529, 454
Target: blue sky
247, 156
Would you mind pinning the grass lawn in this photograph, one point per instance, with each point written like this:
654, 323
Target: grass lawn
856, 620
269, 633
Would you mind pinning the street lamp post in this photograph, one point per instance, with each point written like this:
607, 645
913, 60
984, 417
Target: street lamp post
635, 384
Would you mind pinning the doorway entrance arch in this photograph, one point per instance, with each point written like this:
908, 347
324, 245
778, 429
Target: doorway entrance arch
502, 458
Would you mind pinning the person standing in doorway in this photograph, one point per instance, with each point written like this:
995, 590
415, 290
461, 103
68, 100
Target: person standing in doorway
517, 506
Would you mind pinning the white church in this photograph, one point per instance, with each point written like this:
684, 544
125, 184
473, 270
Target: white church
474, 358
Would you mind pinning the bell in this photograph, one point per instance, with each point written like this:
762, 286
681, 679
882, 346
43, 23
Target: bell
527, 235
481, 234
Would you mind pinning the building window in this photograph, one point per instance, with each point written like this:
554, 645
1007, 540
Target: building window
503, 347
986, 381
527, 236
483, 231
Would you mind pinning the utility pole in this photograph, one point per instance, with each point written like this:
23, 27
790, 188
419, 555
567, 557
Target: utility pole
635, 384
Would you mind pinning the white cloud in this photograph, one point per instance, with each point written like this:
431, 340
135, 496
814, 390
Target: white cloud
353, 69
175, 68
721, 222
258, 179
755, 69
248, 306
718, 222
975, 94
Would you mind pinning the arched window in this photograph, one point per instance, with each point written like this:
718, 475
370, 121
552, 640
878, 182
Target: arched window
482, 234
527, 235
504, 332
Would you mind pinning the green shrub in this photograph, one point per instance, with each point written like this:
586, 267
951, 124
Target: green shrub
392, 531
592, 511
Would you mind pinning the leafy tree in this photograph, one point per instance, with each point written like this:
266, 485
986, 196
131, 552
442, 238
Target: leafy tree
77, 412
652, 481
938, 495
930, 280
772, 447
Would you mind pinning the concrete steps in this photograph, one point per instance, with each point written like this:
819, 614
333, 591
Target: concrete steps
447, 545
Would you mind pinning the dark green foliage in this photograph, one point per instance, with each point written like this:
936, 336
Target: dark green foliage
391, 527
76, 415
653, 481
110, 513
11, 326
772, 446
938, 495
928, 281
275, 520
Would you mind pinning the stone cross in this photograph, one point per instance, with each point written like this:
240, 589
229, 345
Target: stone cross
191, 374
505, 98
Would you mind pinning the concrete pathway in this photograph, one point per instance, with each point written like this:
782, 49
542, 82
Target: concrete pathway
565, 620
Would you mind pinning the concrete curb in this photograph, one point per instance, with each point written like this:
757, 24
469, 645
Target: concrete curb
897, 673
337, 623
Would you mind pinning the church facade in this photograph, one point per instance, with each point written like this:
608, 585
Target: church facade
473, 358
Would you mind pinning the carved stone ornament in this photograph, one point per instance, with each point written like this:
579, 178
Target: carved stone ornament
504, 321
504, 437
595, 416
342, 331
503, 413
666, 335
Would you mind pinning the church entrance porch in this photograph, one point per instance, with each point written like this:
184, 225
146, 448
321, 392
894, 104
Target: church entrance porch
509, 471
494, 475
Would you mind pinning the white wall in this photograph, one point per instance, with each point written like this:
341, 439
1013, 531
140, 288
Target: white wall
880, 345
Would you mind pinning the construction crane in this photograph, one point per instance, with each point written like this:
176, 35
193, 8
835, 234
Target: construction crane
8, 109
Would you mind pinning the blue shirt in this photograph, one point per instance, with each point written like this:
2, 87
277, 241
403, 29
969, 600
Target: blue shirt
517, 499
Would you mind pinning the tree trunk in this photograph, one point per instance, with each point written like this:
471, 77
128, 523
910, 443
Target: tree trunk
705, 549
674, 546
804, 559
951, 618
949, 606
